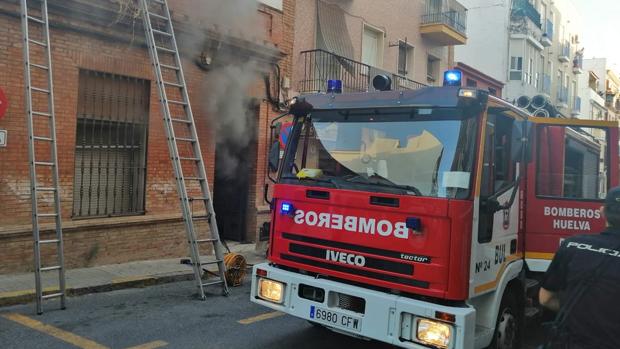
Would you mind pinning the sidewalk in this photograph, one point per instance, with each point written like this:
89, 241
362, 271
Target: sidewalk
19, 288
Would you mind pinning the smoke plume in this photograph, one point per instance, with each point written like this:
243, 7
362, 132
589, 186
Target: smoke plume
231, 76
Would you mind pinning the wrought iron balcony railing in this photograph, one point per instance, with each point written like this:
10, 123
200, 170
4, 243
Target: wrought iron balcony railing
522, 8
320, 65
548, 30
454, 19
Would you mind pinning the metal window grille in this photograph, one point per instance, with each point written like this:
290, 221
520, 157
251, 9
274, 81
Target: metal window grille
110, 145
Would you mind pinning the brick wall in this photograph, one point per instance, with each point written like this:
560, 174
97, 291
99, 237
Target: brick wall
91, 242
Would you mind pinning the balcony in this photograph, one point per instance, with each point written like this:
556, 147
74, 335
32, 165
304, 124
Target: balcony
576, 107
523, 8
546, 85
547, 37
445, 24
562, 97
564, 55
320, 66
578, 64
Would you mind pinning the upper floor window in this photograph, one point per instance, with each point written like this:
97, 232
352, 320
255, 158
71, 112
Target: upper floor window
516, 68
405, 59
372, 46
432, 68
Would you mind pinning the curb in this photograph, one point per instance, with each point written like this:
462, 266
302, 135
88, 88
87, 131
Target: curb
28, 296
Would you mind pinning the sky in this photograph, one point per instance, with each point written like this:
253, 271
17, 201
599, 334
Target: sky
601, 29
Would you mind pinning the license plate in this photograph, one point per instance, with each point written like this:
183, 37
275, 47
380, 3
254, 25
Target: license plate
333, 318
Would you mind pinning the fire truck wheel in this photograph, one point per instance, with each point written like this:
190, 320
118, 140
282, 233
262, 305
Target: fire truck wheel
507, 328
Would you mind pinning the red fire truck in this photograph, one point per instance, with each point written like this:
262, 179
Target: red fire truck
426, 218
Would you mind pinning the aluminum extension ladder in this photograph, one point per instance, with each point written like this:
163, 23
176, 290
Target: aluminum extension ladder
185, 154
40, 119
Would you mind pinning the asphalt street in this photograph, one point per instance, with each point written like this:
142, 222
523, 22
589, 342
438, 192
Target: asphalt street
168, 316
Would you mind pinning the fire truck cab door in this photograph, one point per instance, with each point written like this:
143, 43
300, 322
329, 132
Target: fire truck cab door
495, 231
573, 164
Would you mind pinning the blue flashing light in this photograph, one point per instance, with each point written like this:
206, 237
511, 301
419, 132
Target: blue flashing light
452, 78
286, 208
334, 86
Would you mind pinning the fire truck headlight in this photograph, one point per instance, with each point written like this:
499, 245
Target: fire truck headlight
271, 290
467, 93
434, 333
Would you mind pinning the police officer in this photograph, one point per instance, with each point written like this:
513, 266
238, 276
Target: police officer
583, 283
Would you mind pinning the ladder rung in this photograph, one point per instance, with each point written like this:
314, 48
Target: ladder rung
35, 19
171, 67
153, 14
181, 121
188, 159
199, 198
52, 241
52, 295
201, 218
42, 90
37, 42
210, 283
39, 66
44, 215
40, 113
45, 139
159, 2
194, 178
56, 267
165, 49
183, 139
177, 102
172, 84
212, 262
44, 189
205, 240
159, 32
43, 163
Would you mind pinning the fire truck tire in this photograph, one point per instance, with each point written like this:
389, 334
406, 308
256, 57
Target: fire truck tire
508, 326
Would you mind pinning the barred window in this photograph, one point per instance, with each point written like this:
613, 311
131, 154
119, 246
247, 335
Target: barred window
110, 145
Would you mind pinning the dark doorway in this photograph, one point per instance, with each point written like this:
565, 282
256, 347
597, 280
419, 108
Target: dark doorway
235, 159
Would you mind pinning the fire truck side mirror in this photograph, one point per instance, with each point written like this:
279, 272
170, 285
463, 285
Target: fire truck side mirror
490, 205
274, 156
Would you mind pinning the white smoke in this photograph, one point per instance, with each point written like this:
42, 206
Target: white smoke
228, 86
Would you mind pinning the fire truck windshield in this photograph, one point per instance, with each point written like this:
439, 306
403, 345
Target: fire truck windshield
419, 151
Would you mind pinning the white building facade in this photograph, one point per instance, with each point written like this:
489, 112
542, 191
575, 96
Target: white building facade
530, 45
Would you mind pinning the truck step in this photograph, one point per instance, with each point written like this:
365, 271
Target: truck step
532, 312
531, 287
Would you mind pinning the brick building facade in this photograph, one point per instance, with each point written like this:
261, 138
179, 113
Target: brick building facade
97, 53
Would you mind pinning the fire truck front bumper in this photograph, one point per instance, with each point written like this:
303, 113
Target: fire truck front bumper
362, 312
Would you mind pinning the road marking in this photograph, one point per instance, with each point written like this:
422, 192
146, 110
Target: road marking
69, 337
151, 345
65, 336
261, 317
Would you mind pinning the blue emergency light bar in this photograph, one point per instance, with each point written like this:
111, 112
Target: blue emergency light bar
334, 86
452, 77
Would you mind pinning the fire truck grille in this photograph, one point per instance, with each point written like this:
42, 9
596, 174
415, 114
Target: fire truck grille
351, 303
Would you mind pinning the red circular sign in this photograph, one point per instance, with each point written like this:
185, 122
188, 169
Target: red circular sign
4, 103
